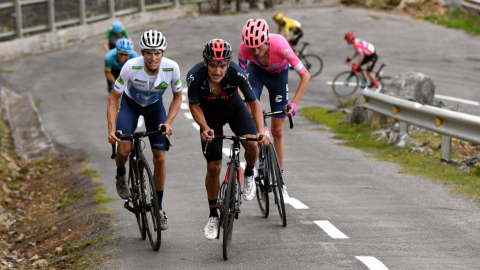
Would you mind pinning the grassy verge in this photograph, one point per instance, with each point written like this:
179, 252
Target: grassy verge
456, 18
427, 165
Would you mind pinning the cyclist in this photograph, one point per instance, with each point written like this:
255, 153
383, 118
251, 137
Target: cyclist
116, 58
269, 56
214, 102
115, 33
144, 80
366, 55
290, 27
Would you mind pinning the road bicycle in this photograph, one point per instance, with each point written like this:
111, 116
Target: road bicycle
269, 174
229, 195
347, 82
143, 200
313, 63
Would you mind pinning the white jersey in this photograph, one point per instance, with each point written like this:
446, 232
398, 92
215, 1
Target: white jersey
135, 82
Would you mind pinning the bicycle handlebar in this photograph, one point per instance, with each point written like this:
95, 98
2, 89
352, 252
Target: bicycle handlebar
233, 138
139, 135
270, 114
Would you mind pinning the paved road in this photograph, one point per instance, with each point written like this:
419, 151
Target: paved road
395, 220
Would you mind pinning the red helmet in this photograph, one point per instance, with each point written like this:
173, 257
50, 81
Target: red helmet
217, 49
349, 36
255, 33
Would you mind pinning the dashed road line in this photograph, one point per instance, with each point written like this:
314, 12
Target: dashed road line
226, 151
297, 204
196, 126
184, 106
342, 83
188, 115
331, 230
372, 263
458, 100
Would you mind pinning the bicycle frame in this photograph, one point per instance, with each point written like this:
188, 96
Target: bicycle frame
363, 77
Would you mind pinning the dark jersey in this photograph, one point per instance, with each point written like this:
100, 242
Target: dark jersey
199, 89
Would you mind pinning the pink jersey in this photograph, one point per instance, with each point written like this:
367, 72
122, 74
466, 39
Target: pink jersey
363, 47
280, 54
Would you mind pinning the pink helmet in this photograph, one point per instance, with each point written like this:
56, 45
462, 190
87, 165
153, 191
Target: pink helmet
255, 33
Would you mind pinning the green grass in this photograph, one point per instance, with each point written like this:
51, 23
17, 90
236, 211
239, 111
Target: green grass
100, 196
456, 18
91, 173
360, 136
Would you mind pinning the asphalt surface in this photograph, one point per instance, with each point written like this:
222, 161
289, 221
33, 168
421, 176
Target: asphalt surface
396, 220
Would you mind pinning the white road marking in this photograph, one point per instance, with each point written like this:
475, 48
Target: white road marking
196, 126
188, 115
297, 204
226, 151
341, 83
140, 122
185, 89
184, 106
184, 97
330, 229
242, 164
458, 100
372, 263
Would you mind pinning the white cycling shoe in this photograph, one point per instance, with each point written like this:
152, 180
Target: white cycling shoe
211, 230
163, 220
249, 189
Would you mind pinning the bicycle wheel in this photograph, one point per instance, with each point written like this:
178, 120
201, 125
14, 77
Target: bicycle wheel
135, 198
150, 210
313, 63
277, 182
262, 195
345, 84
229, 209
384, 80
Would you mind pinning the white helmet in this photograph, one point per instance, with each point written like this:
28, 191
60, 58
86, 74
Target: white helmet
153, 40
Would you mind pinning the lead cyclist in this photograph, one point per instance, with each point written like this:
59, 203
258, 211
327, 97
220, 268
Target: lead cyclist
143, 81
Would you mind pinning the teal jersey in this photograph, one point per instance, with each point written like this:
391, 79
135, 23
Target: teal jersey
111, 60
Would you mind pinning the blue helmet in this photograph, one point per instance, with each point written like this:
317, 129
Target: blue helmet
124, 45
117, 26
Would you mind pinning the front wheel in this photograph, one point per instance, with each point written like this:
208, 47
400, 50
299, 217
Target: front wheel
313, 63
135, 197
150, 209
262, 194
345, 84
229, 209
277, 182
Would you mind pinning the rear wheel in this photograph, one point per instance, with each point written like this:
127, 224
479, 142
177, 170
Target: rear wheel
277, 182
229, 209
262, 195
345, 84
135, 198
385, 80
313, 63
150, 205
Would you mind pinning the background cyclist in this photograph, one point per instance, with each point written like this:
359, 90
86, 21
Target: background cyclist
144, 80
214, 102
292, 29
269, 56
115, 59
366, 55
114, 33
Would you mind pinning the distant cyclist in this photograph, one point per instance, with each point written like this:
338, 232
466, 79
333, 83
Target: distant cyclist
366, 55
214, 102
269, 56
143, 81
292, 29
115, 59
115, 33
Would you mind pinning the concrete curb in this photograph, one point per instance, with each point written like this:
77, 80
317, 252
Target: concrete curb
31, 140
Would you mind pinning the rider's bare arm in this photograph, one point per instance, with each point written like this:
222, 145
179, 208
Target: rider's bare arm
360, 59
302, 87
173, 110
109, 76
112, 112
105, 45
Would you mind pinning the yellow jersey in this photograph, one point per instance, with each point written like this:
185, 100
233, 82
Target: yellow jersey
291, 25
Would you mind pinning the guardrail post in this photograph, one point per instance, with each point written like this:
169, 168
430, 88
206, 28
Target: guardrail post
142, 5
446, 148
177, 3
403, 127
83, 12
51, 15
111, 8
18, 19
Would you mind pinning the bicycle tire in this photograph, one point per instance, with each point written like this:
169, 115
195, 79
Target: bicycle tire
150, 207
313, 63
135, 196
229, 209
382, 83
277, 182
262, 196
344, 84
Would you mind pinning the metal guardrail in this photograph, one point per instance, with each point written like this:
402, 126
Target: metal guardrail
448, 123
472, 4
45, 14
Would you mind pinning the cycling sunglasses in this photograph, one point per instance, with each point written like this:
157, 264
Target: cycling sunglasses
122, 53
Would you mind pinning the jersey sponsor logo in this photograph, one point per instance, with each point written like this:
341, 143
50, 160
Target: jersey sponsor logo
242, 75
178, 82
140, 81
137, 67
278, 98
116, 86
120, 81
287, 93
158, 144
163, 86
288, 53
167, 69
190, 79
